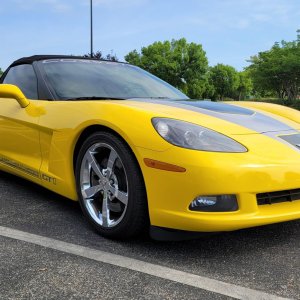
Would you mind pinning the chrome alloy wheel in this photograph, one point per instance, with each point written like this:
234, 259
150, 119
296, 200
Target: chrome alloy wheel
104, 185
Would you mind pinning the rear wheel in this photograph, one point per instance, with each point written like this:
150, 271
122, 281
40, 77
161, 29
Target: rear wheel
110, 186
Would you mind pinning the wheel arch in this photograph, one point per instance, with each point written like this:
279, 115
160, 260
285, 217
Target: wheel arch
101, 128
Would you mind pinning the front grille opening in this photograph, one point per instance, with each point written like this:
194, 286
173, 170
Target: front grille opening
278, 197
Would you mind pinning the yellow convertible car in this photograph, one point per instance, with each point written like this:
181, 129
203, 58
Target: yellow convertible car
139, 154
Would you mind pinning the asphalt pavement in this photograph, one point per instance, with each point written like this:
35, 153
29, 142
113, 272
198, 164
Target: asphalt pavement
265, 259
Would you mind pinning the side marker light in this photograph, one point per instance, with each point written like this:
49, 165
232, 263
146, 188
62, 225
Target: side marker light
151, 163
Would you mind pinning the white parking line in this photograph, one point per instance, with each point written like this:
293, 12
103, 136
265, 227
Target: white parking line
193, 280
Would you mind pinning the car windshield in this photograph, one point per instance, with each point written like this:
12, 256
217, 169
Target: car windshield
77, 79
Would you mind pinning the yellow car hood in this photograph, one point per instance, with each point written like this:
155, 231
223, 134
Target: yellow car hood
231, 118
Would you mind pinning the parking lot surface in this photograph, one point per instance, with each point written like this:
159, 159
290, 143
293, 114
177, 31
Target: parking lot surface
264, 259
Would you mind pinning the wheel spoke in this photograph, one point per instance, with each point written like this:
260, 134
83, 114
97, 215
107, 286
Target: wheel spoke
91, 206
105, 211
91, 191
111, 161
91, 159
121, 196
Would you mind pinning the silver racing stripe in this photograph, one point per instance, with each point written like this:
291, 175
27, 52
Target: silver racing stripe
277, 136
238, 115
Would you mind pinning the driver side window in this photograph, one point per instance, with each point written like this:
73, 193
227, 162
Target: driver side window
23, 76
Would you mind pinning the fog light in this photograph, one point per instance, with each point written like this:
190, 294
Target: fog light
214, 203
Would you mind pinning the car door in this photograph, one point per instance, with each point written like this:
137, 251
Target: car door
19, 136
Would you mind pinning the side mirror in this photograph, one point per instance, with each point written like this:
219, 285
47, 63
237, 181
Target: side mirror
13, 92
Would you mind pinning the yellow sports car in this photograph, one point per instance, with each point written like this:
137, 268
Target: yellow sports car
139, 154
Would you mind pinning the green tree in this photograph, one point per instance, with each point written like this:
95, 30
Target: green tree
224, 79
178, 62
134, 58
1, 72
209, 88
244, 86
277, 70
99, 55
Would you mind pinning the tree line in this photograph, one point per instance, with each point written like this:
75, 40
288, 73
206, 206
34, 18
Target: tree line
185, 66
274, 73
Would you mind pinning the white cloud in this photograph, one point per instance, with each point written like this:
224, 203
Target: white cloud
261, 17
245, 14
241, 24
55, 5
269, 10
58, 5
119, 3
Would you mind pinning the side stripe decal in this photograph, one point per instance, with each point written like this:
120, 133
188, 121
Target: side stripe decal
27, 170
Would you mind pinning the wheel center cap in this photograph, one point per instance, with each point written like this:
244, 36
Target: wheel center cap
104, 183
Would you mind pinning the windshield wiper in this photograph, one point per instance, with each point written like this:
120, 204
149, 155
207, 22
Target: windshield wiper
95, 98
149, 98
112, 98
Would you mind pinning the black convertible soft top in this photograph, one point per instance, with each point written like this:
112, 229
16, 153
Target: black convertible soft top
31, 59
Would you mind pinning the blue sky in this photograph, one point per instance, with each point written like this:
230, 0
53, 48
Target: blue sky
230, 31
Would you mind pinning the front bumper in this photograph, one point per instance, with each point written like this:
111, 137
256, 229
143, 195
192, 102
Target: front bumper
243, 174
215, 222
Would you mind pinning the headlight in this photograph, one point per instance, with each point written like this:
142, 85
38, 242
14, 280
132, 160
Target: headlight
191, 136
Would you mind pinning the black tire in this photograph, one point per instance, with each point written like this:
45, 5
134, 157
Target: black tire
106, 165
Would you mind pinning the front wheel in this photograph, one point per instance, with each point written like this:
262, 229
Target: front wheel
110, 186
